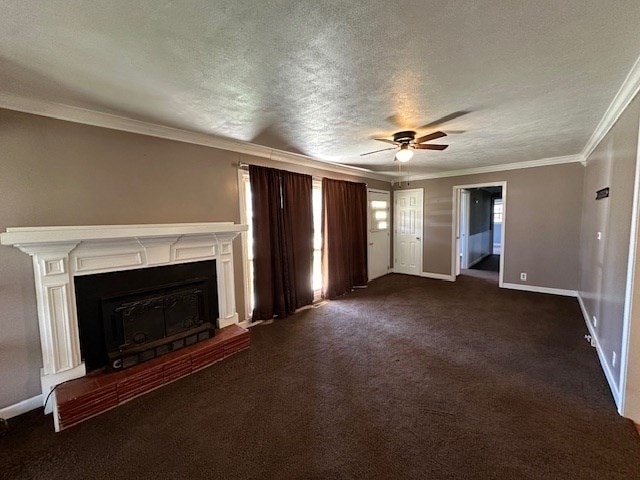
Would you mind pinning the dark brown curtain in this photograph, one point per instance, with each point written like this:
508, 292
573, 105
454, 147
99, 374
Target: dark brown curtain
344, 231
282, 241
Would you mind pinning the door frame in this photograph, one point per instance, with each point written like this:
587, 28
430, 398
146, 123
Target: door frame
389, 225
455, 225
463, 243
395, 233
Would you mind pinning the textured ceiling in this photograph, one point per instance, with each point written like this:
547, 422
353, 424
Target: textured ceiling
320, 78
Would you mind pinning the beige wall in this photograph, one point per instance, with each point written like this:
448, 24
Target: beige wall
604, 262
59, 173
542, 229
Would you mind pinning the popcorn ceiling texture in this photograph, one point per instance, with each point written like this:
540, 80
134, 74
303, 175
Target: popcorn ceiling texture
322, 77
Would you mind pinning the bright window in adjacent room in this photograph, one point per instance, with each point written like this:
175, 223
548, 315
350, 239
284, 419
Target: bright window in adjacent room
497, 210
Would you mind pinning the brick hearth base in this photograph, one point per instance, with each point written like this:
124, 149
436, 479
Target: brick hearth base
86, 397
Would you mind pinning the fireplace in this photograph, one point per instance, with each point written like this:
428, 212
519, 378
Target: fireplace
132, 316
63, 256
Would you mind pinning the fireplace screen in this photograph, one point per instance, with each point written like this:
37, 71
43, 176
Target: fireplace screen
145, 313
148, 325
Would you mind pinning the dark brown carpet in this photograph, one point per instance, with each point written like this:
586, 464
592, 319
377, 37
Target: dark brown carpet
409, 378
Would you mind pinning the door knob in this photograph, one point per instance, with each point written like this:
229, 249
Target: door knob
371, 244
417, 238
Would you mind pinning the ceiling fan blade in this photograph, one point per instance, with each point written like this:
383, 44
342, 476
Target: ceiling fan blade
376, 151
431, 147
431, 136
386, 140
445, 119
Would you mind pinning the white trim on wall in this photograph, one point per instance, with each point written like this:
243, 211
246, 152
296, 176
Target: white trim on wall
21, 407
630, 87
628, 90
536, 289
116, 122
438, 276
544, 162
628, 296
601, 356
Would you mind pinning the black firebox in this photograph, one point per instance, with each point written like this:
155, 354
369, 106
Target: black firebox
132, 316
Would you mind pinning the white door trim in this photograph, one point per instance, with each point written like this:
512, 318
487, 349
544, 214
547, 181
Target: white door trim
462, 243
395, 236
456, 221
623, 407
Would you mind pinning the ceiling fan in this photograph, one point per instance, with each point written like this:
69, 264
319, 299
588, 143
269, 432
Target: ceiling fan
406, 142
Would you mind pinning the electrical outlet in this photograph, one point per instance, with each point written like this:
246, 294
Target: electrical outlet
595, 321
613, 359
523, 276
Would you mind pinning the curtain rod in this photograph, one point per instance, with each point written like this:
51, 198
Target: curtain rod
245, 166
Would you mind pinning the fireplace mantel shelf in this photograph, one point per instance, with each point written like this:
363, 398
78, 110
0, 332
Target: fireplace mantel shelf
38, 235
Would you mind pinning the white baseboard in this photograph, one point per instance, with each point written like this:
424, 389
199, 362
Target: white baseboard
536, 289
21, 407
438, 276
603, 363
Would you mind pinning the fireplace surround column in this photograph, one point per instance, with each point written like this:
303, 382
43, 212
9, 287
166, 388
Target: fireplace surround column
59, 338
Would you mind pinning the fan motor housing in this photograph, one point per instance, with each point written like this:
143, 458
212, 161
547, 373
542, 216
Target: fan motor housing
404, 137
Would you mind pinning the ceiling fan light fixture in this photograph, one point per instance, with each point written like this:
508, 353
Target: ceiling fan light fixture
405, 154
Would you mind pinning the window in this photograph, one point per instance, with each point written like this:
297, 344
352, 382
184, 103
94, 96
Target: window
247, 239
379, 211
317, 237
246, 216
497, 211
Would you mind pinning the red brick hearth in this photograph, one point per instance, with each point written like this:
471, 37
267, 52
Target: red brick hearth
86, 397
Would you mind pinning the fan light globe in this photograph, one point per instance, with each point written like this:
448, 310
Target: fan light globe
404, 155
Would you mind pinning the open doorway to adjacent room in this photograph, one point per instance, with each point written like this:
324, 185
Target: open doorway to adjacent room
479, 212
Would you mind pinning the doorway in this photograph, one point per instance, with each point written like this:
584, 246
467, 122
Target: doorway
378, 226
463, 232
478, 230
407, 239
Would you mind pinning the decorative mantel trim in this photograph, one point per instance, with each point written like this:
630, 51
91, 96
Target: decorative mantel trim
61, 253
31, 235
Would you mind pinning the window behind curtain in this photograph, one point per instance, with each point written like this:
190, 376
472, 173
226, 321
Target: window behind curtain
247, 214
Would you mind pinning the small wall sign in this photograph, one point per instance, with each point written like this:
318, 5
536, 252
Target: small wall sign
602, 193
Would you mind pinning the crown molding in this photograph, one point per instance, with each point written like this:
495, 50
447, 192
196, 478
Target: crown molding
544, 162
627, 92
116, 122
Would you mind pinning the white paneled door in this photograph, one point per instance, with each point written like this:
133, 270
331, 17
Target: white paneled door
408, 231
378, 233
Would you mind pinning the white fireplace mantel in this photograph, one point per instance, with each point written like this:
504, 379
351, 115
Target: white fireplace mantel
62, 253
